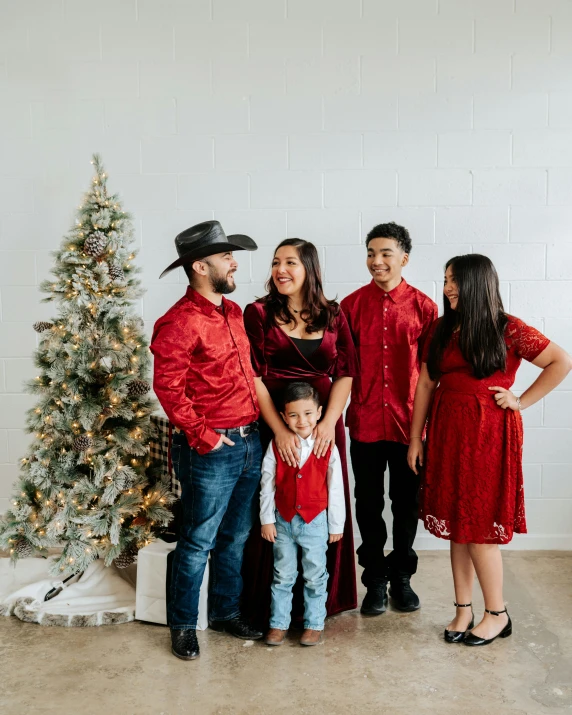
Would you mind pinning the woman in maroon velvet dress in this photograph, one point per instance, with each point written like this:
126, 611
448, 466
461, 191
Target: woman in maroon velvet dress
296, 334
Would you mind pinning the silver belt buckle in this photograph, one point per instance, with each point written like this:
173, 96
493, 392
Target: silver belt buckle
243, 432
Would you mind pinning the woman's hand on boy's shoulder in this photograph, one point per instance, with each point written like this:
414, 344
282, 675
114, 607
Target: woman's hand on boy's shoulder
334, 537
268, 532
288, 446
325, 436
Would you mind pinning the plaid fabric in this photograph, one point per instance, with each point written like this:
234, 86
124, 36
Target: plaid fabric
160, 449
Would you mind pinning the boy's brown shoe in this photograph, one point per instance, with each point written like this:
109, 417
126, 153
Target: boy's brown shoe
275, 636
310, 637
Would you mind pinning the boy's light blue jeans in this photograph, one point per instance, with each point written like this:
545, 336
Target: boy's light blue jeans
313, 540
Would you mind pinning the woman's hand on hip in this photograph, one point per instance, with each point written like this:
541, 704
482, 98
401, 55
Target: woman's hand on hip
415, 454
325, 436
505, 398
288, 446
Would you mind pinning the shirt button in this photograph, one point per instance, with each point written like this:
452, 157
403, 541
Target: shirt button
299, 476
386, 367
385, 310
386, 385
385, 328
385, 347
299, 506
386, 406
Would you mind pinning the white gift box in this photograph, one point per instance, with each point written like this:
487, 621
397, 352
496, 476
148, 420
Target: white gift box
150, 598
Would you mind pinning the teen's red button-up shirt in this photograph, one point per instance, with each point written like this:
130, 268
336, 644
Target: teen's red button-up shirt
389, 330
203, 376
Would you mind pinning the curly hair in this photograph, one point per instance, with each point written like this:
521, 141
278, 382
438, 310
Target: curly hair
391, 230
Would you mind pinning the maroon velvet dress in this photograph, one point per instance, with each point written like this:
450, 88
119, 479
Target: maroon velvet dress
277, 360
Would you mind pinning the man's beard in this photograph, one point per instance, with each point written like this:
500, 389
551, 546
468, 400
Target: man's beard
221, 284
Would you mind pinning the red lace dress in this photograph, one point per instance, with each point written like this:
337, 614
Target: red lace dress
472, 491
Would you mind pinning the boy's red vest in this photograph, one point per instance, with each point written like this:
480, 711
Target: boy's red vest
304, 490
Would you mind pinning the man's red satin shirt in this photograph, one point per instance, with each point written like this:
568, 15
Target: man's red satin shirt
203, 376
389, 330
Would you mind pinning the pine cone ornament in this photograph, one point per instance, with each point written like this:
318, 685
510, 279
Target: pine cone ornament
23, 549
127, 557
116, 273
95, 244
82, 443
42, 325
138, 387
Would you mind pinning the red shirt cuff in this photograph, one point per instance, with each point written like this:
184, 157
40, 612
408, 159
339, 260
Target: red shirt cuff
206, 443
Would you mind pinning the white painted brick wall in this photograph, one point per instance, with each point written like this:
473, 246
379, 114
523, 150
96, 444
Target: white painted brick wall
560, 186
511, 110
475, 149
332, 150
434, 187
310, 118
515, 187
353, 188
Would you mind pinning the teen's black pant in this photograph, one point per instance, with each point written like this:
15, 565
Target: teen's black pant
369, 462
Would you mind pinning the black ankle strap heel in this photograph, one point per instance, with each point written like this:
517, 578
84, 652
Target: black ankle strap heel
458, 636
471, 639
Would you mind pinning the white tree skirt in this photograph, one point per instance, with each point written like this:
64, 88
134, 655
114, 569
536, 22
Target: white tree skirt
99, 597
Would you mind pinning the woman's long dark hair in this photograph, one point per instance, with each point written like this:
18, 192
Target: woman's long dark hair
321, 312
479, 316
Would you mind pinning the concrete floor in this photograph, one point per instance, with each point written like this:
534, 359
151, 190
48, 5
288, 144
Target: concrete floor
395, 664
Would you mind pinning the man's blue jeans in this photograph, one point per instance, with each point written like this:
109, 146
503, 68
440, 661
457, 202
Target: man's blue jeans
218, 500
313, 540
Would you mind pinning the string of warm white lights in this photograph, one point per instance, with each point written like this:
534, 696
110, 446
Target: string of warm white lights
87, 483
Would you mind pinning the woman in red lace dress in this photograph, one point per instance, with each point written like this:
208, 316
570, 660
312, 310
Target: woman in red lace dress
472, 492
297, 334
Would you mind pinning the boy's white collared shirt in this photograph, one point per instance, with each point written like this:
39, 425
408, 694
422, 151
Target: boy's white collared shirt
336, 498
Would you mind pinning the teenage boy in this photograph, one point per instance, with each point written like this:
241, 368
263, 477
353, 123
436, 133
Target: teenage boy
389, 320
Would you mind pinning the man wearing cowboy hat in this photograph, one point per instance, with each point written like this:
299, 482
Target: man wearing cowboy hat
204, 382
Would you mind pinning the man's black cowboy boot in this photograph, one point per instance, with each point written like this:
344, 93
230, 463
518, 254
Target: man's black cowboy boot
184, 643
237, 627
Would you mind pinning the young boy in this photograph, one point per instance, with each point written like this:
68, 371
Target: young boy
299, 506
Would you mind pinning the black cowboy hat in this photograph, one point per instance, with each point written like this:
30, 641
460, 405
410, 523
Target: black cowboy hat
206, 239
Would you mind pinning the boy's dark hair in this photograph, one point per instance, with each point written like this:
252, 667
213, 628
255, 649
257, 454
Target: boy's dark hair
300, 391
391, 230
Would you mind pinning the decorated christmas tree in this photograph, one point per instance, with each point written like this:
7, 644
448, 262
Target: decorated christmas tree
87, 483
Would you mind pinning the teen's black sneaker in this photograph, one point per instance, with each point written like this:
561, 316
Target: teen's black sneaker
375, 600
402, 595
